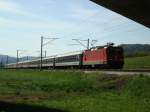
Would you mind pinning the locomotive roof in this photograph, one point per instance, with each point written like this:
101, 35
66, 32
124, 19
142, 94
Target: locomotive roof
105, 46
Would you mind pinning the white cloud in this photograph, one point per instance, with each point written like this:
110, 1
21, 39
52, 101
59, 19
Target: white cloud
7, 6
82, 13
95, 16
51, 25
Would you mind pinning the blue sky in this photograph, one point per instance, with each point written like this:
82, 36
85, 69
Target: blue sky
22, 22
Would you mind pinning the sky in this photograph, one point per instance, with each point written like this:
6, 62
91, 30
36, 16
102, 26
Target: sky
23, 22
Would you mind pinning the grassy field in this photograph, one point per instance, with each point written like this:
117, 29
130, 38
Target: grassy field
35, 91
137, 62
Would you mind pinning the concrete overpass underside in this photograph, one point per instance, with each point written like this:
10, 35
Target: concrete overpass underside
137, 10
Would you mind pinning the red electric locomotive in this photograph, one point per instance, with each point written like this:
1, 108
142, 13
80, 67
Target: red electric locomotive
104, 57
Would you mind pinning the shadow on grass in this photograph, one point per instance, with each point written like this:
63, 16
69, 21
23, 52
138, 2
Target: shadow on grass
11, 107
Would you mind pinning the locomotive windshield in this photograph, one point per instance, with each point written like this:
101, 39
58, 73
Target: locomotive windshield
115, 52
115, 57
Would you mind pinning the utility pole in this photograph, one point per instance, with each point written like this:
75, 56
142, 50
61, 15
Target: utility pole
45, 53
41, 53
17, 58
27, 57
7, 59
42, 45
88, 44
82, 44
18, 51
2, 63
93, 42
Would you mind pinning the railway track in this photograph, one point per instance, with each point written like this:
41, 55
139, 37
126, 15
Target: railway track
120, 72
110, 71
106, 71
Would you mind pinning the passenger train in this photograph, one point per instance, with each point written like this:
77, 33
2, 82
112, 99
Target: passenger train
109, 56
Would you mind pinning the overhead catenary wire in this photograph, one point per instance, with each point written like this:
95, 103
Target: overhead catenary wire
118, 18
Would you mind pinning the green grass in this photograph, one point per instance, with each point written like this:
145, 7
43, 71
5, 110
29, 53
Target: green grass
137, 63
75, 91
